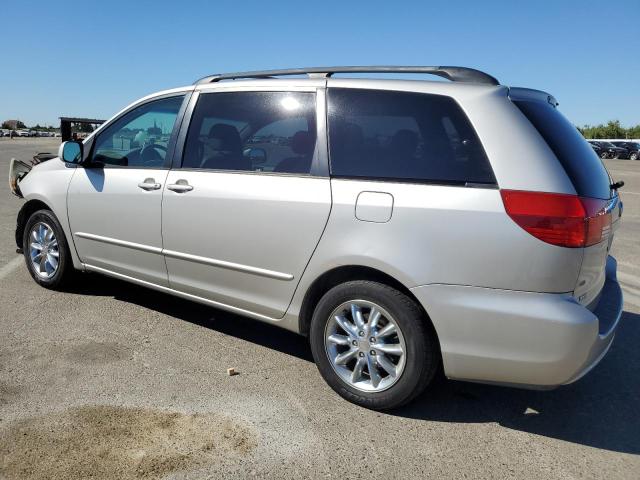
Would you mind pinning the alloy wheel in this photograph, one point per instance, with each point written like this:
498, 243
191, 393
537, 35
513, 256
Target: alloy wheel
365, 346
43, 250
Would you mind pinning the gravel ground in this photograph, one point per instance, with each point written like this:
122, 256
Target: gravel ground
117, 381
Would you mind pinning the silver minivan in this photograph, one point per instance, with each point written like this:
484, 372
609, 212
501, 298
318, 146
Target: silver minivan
403, 226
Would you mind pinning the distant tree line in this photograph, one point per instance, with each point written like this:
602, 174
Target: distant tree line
20, 125
50, 128
612, 129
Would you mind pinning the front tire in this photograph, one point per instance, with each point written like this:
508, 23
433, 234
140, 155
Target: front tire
633, 156
46, 251
372, 344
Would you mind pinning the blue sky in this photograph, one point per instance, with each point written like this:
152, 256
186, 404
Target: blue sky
91, 58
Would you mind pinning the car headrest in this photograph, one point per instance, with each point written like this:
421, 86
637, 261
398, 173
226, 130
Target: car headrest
302, 143
227, 135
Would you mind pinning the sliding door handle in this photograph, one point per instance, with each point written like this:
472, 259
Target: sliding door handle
180, 186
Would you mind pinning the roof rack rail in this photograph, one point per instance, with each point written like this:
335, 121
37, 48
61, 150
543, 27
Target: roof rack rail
455, 74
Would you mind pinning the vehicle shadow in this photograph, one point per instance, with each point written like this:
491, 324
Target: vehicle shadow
215, 319
599, 410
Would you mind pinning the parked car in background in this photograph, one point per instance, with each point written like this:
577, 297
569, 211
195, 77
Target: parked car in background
608, 149
632, 149
602, 151
22, 133
342, 210
618, 152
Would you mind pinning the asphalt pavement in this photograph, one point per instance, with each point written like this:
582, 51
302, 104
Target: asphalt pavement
117, 381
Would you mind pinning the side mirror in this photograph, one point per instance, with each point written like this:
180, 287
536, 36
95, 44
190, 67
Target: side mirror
258, 156
71, 152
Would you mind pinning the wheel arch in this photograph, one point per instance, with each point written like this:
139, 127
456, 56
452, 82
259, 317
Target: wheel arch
346, 273
25, 212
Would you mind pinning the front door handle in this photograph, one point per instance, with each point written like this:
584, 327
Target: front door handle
180, 186
149, 184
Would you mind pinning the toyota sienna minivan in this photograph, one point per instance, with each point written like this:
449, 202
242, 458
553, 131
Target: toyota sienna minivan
403, 226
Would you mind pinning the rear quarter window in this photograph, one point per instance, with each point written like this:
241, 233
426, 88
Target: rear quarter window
403, 136
583, 166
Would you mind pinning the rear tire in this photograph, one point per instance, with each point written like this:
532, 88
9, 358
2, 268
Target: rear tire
633, 156
604, 155
398, 345
46, 251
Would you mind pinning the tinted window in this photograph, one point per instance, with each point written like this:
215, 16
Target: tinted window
584, 168
140, 137
253, 131
403, 136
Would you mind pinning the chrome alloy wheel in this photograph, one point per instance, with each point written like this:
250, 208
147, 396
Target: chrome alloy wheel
43, 250
365, 346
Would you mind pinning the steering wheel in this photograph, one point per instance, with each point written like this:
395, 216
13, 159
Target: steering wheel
149, 153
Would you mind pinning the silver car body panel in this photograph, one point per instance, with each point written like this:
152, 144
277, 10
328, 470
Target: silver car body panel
507, 307
452, 233
130, 242
252, 236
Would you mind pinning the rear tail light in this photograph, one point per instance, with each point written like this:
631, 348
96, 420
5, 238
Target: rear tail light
559, 219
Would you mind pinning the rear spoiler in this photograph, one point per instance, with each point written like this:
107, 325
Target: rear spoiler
518, 93
19, 169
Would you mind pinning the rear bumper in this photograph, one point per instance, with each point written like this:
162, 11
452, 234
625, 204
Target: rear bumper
608, 312
536, 340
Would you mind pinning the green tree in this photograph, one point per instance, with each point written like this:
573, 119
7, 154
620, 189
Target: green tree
634, 132
612, 129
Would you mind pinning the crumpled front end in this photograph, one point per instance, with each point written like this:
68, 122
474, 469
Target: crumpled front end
19, 169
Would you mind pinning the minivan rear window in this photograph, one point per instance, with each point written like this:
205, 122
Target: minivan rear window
583, 166
403, 136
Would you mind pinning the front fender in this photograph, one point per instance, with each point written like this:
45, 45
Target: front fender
46, 186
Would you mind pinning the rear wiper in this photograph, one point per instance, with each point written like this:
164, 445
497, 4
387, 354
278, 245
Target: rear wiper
616, 185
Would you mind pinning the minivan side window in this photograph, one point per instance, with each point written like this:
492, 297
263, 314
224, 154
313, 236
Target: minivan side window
403, 136
140, 138
252, 131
